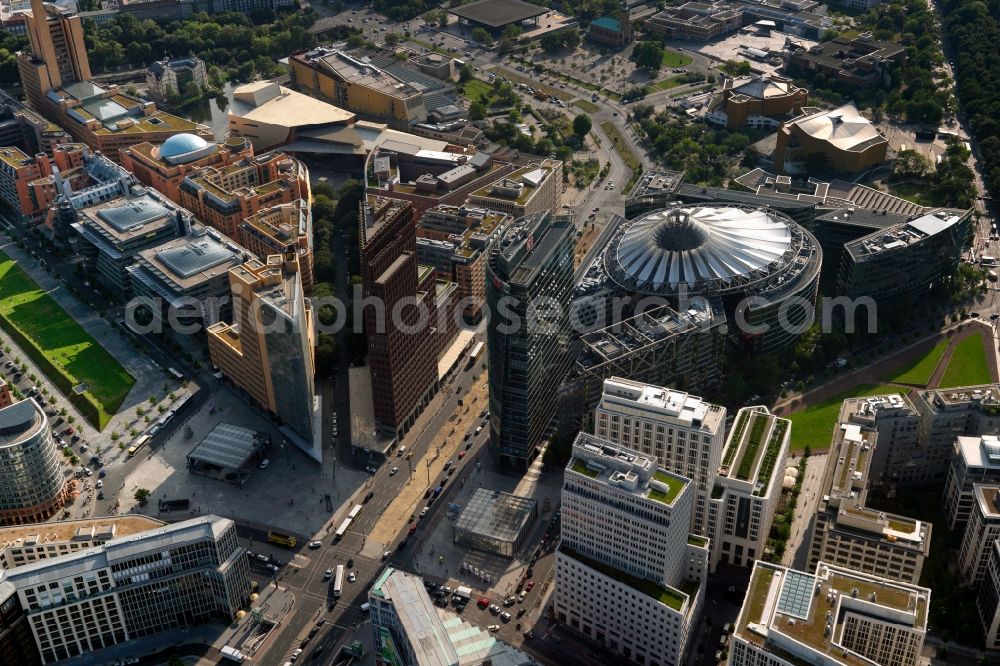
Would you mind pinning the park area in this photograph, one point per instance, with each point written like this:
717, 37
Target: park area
72, 359
959, 360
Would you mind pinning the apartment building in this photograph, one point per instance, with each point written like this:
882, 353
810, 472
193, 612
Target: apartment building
981, 531
268, 350
847, 532
901, 458
165, 166
629, 576
224, 196
280, 229
32, 486
975, 460
747, 488
681, 432
455, 240
174, 576
945, 414
32, 542
834, 617
56, 54
988, 599
536, 188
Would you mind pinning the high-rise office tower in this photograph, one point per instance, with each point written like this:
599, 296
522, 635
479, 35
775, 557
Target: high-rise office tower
268, 350
402, 349
628, 573
682, 432
32, 487
57, 54
529, 286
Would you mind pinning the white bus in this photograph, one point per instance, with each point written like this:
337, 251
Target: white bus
354, 512
342, 530
338, 581
139, 443
176, 375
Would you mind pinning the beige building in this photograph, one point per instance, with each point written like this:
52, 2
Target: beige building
847, 532
682, 432
976, 460
344, 80
842, 139
25, 544
946, 414
983, 529
57, 55
988, 599
532, 189
268, 350
835, 617
272, 115
747, 488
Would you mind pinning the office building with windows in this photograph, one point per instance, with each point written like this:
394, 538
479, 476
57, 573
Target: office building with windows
681, 432
32, 542
981, 531
268, 350
32, 486
629, 576
748, 486
17, 644
173, 576
975, 460
834, 617
172, 76
529, 274
409, 630
847, 532
946, 414
988, 599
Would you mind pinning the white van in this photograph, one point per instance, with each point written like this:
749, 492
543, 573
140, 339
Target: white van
402, 450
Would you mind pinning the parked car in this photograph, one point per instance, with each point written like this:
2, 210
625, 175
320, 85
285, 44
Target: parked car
315, 544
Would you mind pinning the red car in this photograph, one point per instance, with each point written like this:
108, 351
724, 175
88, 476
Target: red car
530, 585
483, 602
461, 454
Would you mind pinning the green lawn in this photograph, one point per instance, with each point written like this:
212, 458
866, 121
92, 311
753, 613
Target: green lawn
585, 106
668, 83
967, 366
690, 91
913, 192
814, 425
477, 90
920, 370
70, 353
675, 59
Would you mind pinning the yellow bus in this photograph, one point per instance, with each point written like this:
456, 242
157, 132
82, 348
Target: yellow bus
139, 443
282, 539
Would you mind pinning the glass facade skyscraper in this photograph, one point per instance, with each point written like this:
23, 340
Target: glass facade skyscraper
529, 285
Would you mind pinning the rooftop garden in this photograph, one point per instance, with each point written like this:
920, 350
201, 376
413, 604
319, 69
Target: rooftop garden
773, 449
753, 443
696, 540
674, 487
741, 423
581, 467
666, 595
756, 597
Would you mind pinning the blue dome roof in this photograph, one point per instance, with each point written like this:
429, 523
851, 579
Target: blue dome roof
182, 144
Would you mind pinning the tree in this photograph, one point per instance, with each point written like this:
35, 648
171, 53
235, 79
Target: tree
392, 39
480, 35
581, 125
466, 73
648, 56
910, 164
477, 111
142, 496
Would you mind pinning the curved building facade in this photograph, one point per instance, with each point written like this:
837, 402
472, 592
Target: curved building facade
758, 264
32, 486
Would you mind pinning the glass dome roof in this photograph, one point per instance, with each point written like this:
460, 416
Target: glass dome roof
182, 144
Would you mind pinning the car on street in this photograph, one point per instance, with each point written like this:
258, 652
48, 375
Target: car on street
461, 454
520, 612
423, 512
510, 601
315, 544
371, 469
530, 585
262, 558
392, 472
447, 464
445, 590
295, 655
99, 484
494, 609
327, 574
521, 596
493, 628
402, 544
483, 602
350, 563
385, 555
468, 445
505, 616
368, 497
264, 463
351, 577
